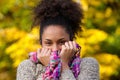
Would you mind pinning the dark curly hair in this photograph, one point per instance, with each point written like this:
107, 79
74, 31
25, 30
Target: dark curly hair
66, 13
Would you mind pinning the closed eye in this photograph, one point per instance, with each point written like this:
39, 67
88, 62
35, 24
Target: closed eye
62, 42
48, 42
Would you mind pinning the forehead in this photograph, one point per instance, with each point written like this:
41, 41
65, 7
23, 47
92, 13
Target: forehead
55, 32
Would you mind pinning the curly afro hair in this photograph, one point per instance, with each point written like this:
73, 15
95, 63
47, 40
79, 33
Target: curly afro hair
66, 13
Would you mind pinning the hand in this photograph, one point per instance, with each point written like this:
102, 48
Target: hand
43, 56
67, 52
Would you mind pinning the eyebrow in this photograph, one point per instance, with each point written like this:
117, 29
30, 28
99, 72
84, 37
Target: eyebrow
61, 39
58, 40
48, 39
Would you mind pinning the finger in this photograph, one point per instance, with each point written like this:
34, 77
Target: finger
67, 45
74, 44
78, 53
45, 51
38, 52
42, 51
71, 45
71, 48
39, 55
63, 49
48, 52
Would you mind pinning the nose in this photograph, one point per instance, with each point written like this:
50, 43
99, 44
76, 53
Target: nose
55, 47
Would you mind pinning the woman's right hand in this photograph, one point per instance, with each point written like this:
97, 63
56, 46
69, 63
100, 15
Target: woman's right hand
43, 56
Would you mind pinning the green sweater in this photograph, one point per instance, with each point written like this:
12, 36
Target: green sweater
89, 70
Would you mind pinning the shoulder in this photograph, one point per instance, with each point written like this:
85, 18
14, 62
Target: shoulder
89, 69
89, 63
89, 60
25, 65
28, 70
28, 65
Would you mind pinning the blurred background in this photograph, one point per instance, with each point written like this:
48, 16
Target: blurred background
100, 37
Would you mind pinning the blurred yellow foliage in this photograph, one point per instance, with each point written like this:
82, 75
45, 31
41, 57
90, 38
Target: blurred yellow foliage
11, 3
19, 50
108, 64
84, 4
99, 15
90, 40
111, 21
94, 36
108, 12
94, 2
117, 32
12, 34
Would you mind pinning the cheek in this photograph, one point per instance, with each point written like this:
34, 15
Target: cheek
45, 46
60, 47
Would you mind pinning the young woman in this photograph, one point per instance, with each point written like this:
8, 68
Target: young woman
58, 59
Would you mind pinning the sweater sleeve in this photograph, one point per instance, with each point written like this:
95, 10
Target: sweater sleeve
26, 71
89, 70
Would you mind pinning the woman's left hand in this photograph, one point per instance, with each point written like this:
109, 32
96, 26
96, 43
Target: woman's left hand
67, 52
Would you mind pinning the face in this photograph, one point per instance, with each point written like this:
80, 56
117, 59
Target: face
54, 36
